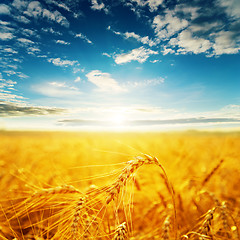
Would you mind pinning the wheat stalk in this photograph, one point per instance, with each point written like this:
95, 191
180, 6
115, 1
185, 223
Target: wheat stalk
211, 173
64, 189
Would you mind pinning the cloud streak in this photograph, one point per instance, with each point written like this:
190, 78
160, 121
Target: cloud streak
8, 109
56, 89
83, 37
132, 35
139, 54
62, 63
104, 82
187, 121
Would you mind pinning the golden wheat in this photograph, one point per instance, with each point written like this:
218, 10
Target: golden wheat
58, 187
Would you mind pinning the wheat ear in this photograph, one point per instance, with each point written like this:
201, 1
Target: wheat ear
128, 172
165, 229
121, 232
205, 228
78, 210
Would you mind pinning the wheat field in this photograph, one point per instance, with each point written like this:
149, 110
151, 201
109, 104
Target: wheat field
57, 185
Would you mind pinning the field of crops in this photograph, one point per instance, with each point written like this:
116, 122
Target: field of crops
119, 185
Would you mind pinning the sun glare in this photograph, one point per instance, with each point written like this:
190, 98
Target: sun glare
118, 119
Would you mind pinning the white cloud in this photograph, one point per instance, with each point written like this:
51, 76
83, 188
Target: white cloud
187, 43
6, 36
33, 50
29, 32
78, 79
226, 43
62, 42
153, 4
6, 88
146, 83
7, 83
4, 9
24, 42
97, 6
76, 69
50, 30
155, 61
106, 54
145, 40
22, 75
191, 33
80, 35
8, 96
205, 26
232, 110
65, 7
139, 54
60, 5
167, 50
232, 7
56, 89
57, 17
188, 11
168, 25
62, 63
4, 23
19, 4
36, 10
9, 72
104, 82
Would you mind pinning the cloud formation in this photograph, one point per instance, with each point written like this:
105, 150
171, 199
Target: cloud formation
4, 9
146, 83
132, 35
168, 25
152, 4
62, 42
82, 36
139, 54
8, 109
56, 89
5, 36
194, 27
62, 63
99, 6
104, 82
35, 10
137, 123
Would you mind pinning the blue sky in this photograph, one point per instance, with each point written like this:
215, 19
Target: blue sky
119, 64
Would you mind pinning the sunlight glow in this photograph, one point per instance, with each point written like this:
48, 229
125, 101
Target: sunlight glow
118, 119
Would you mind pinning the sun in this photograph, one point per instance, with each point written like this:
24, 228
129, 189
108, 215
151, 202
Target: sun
118, 119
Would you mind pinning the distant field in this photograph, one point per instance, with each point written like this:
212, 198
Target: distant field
119, 185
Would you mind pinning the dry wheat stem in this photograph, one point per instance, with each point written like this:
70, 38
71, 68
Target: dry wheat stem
64, 189
207, 178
